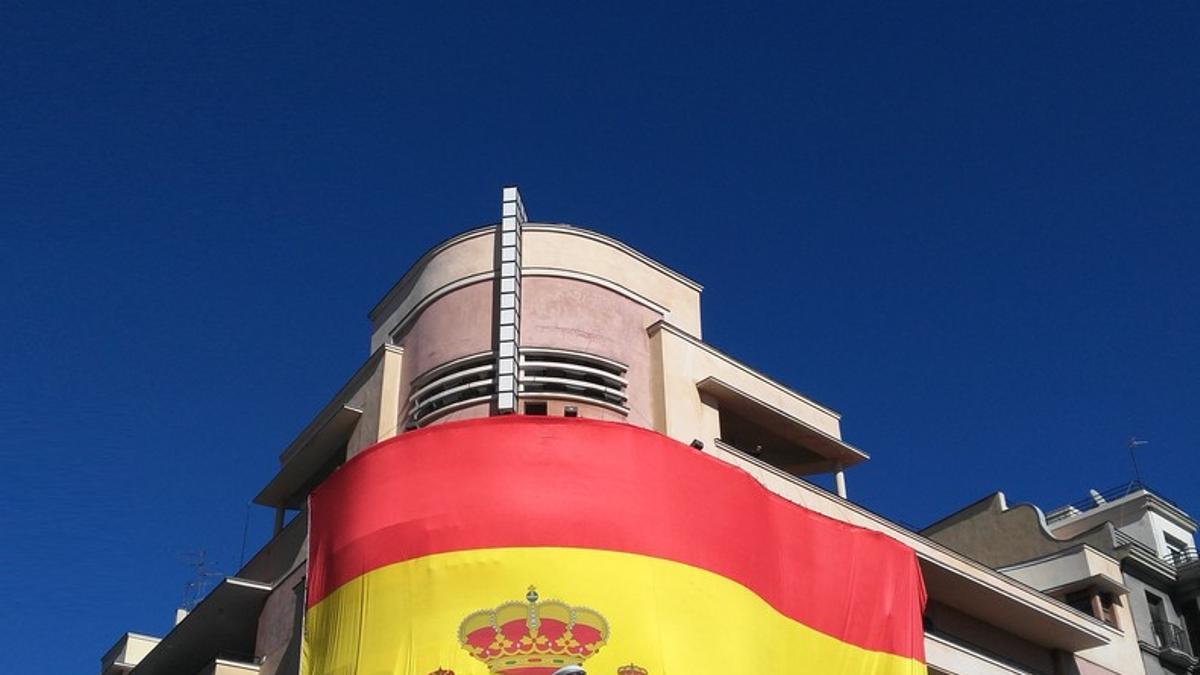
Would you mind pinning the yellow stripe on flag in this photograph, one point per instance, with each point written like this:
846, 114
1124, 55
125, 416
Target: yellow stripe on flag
669, 618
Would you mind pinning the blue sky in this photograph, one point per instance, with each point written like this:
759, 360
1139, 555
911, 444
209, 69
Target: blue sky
970, 228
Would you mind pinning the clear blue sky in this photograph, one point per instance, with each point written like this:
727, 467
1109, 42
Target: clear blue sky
971, 229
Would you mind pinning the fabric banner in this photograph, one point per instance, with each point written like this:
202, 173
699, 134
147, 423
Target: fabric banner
519, 545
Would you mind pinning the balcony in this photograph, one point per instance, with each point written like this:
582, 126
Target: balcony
762, 430
1172, 643
127, 653
1081, 576
231, 664
947, 654
1183, 559
225, 623
1125, 545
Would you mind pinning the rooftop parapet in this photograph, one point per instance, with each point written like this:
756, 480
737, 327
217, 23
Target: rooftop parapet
1103, 499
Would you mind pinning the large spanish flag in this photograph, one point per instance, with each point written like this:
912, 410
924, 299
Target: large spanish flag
519, 545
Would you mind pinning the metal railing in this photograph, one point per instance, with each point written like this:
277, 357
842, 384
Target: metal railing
1102, 497
1112, 494
1171, 636
1176, 560
1182, 558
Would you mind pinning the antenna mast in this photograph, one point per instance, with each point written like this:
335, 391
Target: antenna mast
198, 586
1133, 444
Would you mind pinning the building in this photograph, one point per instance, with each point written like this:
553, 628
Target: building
549, 319
1126, 556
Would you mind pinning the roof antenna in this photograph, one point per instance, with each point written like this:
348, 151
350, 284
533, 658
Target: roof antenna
201, 582
1137, 474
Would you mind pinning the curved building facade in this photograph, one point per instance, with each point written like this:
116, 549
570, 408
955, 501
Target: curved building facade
582, 310
525, 318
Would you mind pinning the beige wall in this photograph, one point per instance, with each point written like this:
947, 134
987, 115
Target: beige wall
367, 399
998, 537
548, 248
683, 413
1077, 665
1122, 656
1066, 567
1130, 516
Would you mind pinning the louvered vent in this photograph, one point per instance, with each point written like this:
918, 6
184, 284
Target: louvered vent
546, 374
451, 386
561, 374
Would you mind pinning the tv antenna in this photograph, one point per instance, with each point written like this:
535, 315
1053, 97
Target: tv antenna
202, 579
1134, 443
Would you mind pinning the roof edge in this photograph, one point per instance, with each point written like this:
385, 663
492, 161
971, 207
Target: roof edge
424, 259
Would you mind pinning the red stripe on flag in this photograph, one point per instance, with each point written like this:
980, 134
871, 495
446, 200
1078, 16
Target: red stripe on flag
520, 481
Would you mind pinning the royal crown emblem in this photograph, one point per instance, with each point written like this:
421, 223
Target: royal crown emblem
535, 637
631, 669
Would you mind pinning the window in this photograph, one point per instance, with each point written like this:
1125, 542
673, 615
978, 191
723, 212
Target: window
1158, 619
535, 408
1157, 611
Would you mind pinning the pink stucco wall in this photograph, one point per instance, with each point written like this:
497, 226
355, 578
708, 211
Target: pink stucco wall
571, 314
559, 313
455, 325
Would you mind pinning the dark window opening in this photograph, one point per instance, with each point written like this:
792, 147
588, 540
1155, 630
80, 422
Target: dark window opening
1095, 603
759, 440
1080, 600
535, 408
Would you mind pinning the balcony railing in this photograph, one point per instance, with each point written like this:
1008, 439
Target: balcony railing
1102, 498
1182, 558
1171, 636
1176, 561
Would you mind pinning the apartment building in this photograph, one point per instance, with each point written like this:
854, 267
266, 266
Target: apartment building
1125, 556
539, 318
